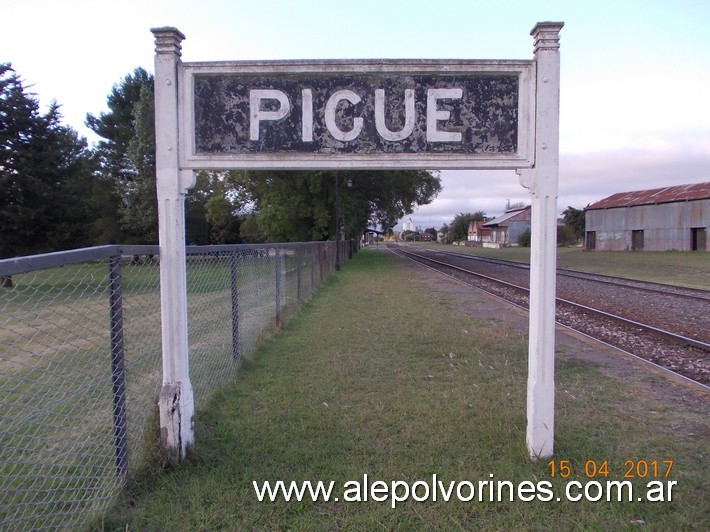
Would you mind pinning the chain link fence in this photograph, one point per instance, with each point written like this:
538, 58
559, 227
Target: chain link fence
80, 359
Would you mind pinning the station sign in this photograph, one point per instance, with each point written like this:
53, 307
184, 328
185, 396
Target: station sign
369, 114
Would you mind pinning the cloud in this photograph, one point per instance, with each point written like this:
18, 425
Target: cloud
586, 178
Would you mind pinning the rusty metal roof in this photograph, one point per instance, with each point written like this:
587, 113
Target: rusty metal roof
695, 191
509, 215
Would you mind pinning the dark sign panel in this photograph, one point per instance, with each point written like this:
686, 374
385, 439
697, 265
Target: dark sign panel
356, 114
365, 114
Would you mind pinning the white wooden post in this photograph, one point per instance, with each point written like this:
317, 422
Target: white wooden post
542, 182
176, 398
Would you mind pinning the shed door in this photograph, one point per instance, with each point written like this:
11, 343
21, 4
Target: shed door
637, 240
698, 239
591, 240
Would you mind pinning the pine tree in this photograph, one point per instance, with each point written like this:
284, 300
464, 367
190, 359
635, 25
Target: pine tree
126, 155
44, 171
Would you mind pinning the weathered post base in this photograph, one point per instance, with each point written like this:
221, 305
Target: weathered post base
176, 405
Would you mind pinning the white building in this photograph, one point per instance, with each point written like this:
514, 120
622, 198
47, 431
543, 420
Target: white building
409, 225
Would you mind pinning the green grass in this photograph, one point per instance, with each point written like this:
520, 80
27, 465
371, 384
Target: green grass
377, 375
672, 267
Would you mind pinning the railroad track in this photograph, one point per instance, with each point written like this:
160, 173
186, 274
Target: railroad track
676, 353
645, 286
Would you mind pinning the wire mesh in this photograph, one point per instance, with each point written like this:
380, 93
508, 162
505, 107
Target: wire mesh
80, 361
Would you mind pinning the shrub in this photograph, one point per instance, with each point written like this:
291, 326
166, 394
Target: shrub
524, 239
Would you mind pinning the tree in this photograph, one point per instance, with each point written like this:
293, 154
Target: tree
45, 171
431, 231
249, 230
565, 236
197, 228
574, 219
139, 212
126, 155
458, 229
445, 231
289, 206
220, 213
298, 206
394, 194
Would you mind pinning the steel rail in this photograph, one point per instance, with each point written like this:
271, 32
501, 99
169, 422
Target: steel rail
631, 323
657, 367
651, 286
669, 372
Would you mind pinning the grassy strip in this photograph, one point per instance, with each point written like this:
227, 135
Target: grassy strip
682, 268
376, 375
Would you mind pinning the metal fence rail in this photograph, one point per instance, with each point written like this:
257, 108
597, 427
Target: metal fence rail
80, 359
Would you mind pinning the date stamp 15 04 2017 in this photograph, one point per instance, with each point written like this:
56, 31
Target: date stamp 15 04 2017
630, 469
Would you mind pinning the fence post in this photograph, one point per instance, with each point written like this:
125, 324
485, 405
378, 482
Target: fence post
234, 284
321, 260
118, 373
333, 252
312, 253
299, 257
277, 270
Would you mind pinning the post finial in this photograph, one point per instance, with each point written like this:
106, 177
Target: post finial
546, 36
167, 40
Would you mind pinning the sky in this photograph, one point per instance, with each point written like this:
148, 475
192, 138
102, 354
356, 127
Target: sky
635, 74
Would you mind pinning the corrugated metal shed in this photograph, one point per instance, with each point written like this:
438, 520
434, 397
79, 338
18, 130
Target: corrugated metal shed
660, 219
696, 191
506, 229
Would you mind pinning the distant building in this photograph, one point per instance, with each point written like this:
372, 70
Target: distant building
506, 229
658, 219
408, 225
477, 232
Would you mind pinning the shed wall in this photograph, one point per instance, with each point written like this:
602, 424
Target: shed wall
665, 226
516, 228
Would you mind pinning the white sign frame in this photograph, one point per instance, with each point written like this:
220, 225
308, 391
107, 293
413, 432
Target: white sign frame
524, 158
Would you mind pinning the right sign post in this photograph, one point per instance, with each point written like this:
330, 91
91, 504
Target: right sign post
542, 180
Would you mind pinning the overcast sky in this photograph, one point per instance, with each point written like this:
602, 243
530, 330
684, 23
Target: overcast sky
635, 86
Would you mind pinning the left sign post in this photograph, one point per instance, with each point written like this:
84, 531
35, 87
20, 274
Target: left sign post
176, 401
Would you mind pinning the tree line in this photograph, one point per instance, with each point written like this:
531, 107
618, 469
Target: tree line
57, 193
